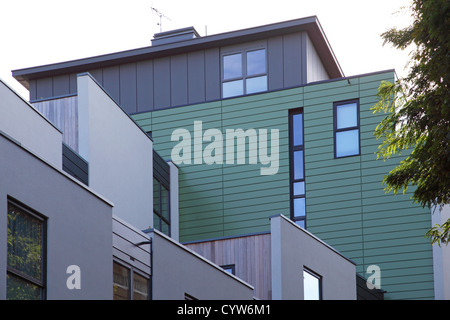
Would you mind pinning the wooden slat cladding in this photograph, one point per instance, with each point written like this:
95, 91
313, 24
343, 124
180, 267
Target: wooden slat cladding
63, 113
250, 256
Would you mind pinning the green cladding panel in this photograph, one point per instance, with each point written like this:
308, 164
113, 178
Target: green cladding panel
346, 204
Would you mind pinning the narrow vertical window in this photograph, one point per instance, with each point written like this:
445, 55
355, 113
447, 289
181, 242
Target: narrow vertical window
346, 128
312, 285
25, 278
297, 168
161, 207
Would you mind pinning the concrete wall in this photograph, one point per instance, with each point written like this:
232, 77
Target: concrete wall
178, 271
22, 122
78, 223
441, 257
119, 153
294, 249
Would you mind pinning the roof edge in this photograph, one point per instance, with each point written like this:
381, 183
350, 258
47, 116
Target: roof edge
309, 24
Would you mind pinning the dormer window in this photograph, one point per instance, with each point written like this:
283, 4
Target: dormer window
244, 72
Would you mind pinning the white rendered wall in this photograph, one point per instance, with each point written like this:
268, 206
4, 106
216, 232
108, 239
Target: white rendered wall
293, 249
119, 153
20, 121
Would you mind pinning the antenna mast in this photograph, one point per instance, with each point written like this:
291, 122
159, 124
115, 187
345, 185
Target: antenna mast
160, 15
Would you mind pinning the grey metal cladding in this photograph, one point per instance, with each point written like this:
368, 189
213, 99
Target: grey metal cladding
179, 80
61, 85
75, 165
292, 57
196, 77
212, 74
161, 71
185, 72
145, 85
44, 88
128, 87
111, 82
275, 63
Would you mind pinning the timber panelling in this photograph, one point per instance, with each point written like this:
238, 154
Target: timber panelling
251, 256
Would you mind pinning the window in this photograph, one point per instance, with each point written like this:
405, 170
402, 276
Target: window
346, 128
25, 278
312, 285
297, 168
229, 268
244, 73
161, 207
129, 284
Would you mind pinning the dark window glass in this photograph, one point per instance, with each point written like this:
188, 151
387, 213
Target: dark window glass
25, 261
161, 207
121, 282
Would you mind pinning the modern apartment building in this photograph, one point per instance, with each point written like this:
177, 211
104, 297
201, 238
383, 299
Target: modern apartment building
262, 155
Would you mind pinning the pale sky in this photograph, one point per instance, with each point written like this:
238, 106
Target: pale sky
39, 32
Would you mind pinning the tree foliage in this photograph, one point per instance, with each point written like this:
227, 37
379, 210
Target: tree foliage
418, 110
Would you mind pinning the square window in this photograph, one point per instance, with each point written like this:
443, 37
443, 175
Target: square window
347, 116
347, 143
257, 84
299, 188
233, 88
232, 66
256, 62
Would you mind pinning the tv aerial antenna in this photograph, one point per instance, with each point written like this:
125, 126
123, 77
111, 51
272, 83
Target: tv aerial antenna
160, 15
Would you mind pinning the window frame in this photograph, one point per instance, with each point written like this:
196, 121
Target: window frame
336, 130
42, 284
292, 180
315, 275
158, 213
230, 268
131, 273
244, 75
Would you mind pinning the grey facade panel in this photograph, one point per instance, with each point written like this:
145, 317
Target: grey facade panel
44, 88
33, 90
128, 87
196, 77
78, 224
145, 83
292, 53
73, 164
212, 74
61, 85
98, 75
275, 63
72, 83
111, 82
179, 80
161, 69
